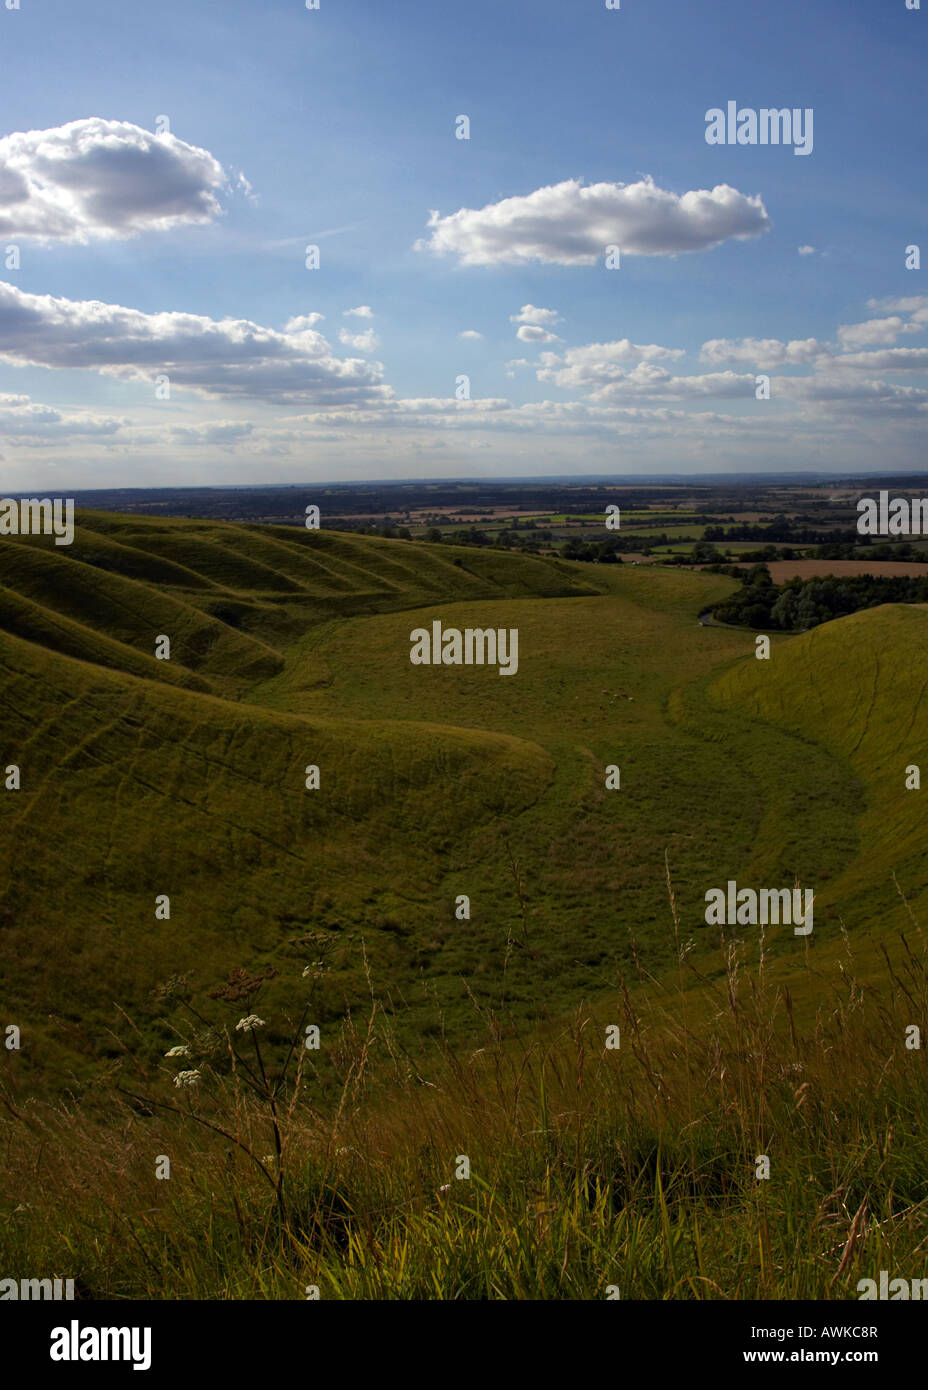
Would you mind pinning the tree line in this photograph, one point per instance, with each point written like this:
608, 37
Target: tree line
800, 604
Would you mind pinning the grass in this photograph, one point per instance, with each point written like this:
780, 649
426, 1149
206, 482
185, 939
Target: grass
133, 787
875, 723
589, 1167
441, 1036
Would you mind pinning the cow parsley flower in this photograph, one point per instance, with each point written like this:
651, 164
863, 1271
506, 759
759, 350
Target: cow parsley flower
186, 1078
182, 1050
249, 1024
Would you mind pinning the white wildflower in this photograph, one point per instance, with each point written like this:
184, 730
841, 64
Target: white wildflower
186, 1078
182, 1050
249, 1024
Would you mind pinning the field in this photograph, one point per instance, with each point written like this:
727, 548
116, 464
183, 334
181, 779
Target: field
782, 570
444, 1034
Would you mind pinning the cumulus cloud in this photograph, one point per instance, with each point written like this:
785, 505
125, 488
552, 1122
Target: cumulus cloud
470, 335
887, 360
94, 179
647, 379
28, 422
806, 250
596, 364
763, 352
875, 332
599, 370
853, 396
530, 313
363, 311
572, 224
361, 342
534, 333
217, 357
915, 305
623, 390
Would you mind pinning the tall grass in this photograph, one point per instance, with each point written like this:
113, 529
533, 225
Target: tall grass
590, 1167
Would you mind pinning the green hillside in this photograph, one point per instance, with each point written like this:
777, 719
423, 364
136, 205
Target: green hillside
185, 778
857, 687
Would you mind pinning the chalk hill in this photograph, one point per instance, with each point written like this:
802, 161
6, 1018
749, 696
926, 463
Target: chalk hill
143, 779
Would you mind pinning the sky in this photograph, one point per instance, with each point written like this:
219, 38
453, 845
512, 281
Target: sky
599, 278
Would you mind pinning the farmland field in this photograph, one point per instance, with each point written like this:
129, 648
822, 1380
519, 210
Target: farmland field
782, 570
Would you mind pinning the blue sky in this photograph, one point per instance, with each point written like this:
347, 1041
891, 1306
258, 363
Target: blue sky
148, 252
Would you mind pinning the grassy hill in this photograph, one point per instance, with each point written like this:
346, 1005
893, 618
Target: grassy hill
143, 778
856, 687
185, 778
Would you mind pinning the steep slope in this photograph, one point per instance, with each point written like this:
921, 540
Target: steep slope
132, 789
856, 686
230, 597
185, 777
137, 781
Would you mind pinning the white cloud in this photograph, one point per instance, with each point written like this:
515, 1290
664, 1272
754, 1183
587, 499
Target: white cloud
826, 405
596, 364
217, 357
762, 352
228, 432
915, 305
647, 379
887, 360
496, 415
854, 396
530, 313
243, 185
533, 333
94, 179
361, 342
598, 370
806, 250
569, 224
875, 332
470, 335
363, 311
27, 422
